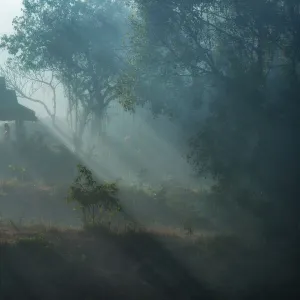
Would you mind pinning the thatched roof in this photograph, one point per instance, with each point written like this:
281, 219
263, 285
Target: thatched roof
10, 109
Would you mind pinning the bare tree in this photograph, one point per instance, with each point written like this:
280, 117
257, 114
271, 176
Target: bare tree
26, 84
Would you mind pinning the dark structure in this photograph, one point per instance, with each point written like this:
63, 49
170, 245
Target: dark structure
10, 109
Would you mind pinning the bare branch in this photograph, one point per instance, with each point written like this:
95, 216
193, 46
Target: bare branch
27, 84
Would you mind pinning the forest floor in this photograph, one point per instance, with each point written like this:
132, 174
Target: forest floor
46, 261
41, 262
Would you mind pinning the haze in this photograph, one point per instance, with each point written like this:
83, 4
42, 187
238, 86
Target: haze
156, 137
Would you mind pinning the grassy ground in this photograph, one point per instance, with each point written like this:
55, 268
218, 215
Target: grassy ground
40, 262
152, 262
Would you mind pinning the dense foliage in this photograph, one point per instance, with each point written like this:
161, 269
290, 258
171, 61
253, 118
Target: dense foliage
237, 64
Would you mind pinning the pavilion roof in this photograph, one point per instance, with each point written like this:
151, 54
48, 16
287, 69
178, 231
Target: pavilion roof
10, 108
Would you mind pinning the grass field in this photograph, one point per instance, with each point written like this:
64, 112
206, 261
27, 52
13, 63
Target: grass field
46, 254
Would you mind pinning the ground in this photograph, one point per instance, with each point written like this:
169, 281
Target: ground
40, 260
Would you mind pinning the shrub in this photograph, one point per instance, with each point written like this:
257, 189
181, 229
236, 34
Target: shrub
93, 197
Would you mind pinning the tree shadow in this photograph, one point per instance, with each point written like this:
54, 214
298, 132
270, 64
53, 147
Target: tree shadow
31, 269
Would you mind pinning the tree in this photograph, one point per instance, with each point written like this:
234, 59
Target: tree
232, 55
28, 83
92, 197
80, 41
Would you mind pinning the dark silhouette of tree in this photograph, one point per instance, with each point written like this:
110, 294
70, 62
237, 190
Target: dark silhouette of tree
241, 58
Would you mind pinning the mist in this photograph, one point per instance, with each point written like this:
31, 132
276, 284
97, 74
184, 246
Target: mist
167, 132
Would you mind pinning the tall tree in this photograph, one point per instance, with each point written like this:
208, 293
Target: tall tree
79, 40
232, 54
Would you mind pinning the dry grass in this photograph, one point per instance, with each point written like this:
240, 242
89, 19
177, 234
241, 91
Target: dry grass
145, 263
149, 262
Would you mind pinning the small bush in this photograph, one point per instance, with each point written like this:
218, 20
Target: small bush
93, 198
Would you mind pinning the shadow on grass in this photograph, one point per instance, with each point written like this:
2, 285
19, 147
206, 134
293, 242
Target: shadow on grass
157, 265
33, 269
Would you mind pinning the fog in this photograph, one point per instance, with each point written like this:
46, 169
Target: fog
175, 117
132, 140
